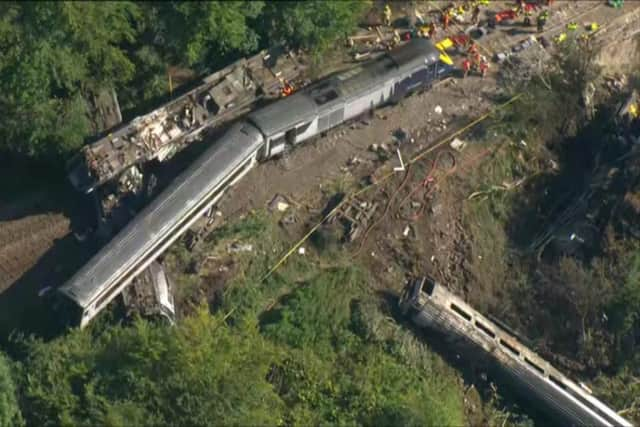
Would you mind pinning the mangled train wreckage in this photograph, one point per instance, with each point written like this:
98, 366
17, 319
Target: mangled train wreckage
158, 135
431, 306
265, 133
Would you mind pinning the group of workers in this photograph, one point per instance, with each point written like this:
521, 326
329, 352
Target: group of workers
474, 61
453, 12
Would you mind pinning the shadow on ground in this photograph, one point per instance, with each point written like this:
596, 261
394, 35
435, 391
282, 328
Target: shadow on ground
33, 190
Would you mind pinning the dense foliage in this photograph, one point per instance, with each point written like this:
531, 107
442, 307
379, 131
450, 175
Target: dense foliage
318, 360
148, 375
9, 410
54, 56
554, 224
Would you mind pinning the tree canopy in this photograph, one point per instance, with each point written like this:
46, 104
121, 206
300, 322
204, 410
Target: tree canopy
53, 55
312, 362
9, 410
56, 55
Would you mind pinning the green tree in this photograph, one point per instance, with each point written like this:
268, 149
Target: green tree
203, 33
54, 54
311, 24
197, 373
9, 410
338, 374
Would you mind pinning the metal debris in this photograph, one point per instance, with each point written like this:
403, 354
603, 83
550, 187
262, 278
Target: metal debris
458, 144
239, 247
279, 203
355, 217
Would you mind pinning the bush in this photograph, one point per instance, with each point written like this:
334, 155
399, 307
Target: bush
9, 411
189, 375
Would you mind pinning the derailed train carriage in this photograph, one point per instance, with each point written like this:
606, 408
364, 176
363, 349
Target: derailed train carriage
433, 307
264, 134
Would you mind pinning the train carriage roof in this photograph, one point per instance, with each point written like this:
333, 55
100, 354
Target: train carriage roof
415, 52
284, 114
159, 218
304, 106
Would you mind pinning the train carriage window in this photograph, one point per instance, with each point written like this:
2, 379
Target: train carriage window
323, 122
336, 117
107, 296
302, 128
534, 365
557, 382
460, 312
428, 286
277, 141
290, 136
509, 347
485, 329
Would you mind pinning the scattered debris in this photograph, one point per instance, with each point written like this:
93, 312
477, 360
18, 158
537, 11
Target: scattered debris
458, 144
239, 247
354, 161
355, 217
381, 150
203, 227
158, 135
301, 250
289, 219
279, 203
401, 135
438, 109
151, 294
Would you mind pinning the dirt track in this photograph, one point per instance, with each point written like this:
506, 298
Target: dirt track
26, 239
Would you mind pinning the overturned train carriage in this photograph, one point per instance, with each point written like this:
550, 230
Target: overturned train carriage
162, 222
431, 306
266, 133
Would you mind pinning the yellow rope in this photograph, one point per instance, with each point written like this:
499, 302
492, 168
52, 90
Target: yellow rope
384, 178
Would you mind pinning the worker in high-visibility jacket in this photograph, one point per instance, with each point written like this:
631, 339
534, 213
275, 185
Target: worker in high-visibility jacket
387, 15
542, 20
466, 67
483, 65
560, 38
287, 89
634, 111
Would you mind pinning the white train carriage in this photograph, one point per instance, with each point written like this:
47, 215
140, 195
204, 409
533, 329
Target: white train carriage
432, 306
162, 222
